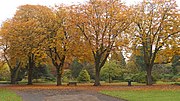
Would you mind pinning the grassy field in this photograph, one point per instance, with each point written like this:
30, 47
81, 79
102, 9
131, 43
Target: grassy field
152, 95
6, 95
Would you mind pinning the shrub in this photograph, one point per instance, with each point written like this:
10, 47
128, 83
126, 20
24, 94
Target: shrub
111, 71
140, 77
41, 71
4, 73
66, 76
50, 79
167, 77
176, 78
84, 76
75, 68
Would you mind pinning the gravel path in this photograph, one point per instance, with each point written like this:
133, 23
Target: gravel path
63, 95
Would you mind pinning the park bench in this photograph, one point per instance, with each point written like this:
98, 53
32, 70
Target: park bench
73, 83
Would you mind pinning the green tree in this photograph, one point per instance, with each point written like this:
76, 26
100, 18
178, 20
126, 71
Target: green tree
4, 72
76, 68
110, 69
120, 59
67, 75
176, 64
84, 76
90, 68
132, 67
41, 71
138, 58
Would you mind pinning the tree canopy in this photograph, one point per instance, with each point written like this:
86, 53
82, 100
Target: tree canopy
93, 32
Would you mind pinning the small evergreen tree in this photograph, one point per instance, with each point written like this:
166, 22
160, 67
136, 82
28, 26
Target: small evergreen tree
42, 71
90, 68
84, 76
67, 75
75, 68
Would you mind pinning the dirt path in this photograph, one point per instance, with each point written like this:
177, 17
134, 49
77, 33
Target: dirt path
63, 95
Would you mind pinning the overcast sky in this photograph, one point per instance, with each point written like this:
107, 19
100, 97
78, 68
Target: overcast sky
8, 7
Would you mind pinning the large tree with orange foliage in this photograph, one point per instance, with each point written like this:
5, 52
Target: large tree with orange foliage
62, 41
156, 27
26, 33
9, 52
101, 24
58, 41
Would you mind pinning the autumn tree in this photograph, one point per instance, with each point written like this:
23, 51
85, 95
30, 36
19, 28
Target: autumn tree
101, 22
62, 42
27, 33
156, 27
10, 51
57, 40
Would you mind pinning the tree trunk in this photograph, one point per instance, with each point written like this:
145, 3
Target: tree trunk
149, 76
97, 78
14, 74
109, 78
30, 70
99, 63
59, 76
97, 70
13, 77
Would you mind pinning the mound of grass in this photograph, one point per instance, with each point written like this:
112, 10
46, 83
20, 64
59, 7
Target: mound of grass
152, 95
6, 95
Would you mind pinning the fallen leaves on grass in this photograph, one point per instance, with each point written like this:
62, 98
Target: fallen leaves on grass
94, 88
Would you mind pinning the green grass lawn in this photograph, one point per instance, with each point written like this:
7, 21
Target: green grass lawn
152, 95
6, 95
